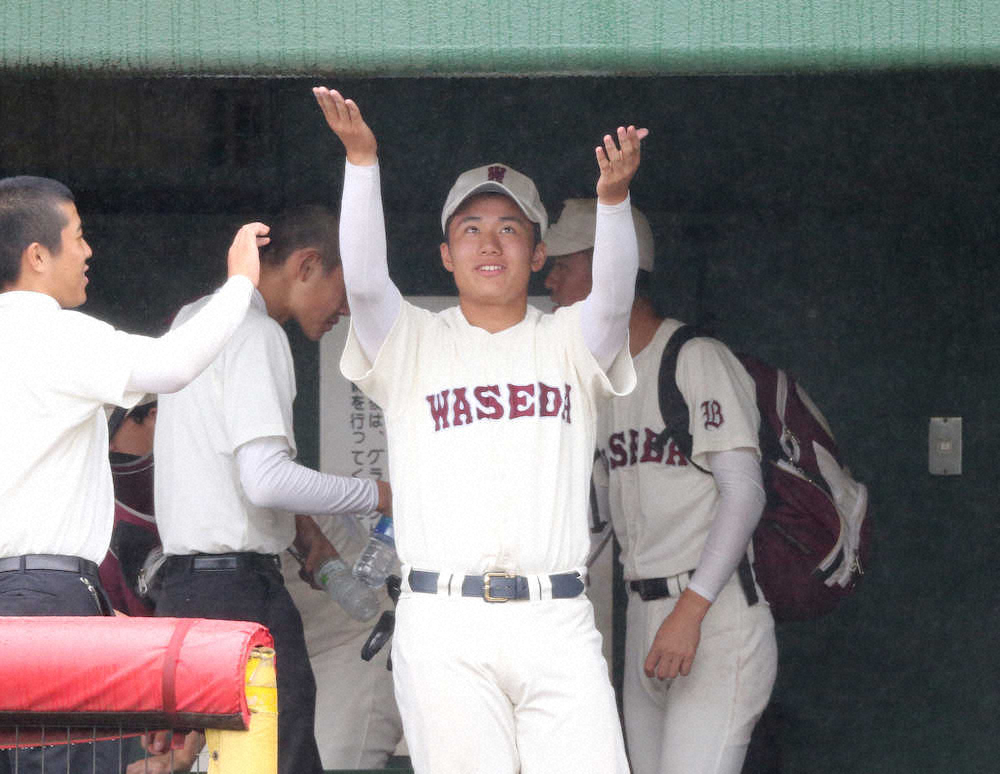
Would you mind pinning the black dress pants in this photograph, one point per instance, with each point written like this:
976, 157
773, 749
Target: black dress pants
249, 587
57, 592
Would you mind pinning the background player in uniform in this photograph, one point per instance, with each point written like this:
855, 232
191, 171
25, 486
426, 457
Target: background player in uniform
227, 486
489, 412
700, 662
357, 721
572, 239
130, 440
60, 368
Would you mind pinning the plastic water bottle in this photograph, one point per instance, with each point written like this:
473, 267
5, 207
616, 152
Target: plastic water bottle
358, 600
376, 560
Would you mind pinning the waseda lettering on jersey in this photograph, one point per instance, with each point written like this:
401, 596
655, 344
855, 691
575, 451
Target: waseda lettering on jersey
624, 449
460, 406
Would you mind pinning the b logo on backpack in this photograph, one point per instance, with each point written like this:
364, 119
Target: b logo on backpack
814, 537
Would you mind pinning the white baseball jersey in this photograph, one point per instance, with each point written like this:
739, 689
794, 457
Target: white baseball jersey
662, 506
245, 394
491, 437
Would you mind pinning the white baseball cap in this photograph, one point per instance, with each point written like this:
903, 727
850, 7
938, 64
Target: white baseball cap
496, 178
574, 231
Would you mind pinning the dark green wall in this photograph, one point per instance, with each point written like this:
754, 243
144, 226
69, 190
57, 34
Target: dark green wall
843, 226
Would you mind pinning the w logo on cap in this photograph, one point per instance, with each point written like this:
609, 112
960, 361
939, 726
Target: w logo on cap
496, 174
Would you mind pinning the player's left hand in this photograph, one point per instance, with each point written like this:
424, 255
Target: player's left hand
676, 641
618, 163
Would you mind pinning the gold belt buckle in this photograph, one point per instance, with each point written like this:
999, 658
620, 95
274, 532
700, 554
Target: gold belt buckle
487, 579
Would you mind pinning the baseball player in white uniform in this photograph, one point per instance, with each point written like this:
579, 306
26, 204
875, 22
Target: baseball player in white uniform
490, 410
700, 659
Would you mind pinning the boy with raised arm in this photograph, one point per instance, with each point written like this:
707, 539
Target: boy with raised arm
490, 410
59, 369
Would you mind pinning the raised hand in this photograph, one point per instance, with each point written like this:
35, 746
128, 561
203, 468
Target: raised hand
344, 117
244, 252
618, 163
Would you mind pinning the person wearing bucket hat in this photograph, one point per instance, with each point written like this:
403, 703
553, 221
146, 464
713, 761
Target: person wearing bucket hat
490, 409
700, 660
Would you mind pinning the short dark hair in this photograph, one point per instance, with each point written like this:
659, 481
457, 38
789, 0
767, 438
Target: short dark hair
312, 225
644, 284
29, 212
138, 414
141, 413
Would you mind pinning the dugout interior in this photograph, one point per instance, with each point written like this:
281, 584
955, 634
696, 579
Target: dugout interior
840, 225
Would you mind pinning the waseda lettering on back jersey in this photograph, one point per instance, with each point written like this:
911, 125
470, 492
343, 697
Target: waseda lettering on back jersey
460, 406
630, 447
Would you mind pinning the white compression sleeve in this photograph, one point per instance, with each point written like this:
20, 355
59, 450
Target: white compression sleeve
373, 298
271, 479
606, 310
170, 362
741, 503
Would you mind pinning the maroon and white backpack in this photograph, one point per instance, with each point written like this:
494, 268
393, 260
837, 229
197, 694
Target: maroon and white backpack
814, 537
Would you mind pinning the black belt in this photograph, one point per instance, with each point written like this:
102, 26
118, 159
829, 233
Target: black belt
48, 562
658, 588
499, 586
244, 560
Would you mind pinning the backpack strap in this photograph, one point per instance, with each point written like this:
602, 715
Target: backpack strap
674, 411
787, 440
673, 408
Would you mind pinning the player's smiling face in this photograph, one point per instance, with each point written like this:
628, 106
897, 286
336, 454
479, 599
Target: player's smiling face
66, 279
491, 250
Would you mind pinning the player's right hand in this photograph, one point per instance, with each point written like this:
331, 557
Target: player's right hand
344, 117
676, 642
244, 252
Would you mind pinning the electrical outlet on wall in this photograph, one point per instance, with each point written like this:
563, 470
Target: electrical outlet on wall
945, 446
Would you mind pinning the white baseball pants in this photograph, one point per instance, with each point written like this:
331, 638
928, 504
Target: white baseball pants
502, 688
699, 723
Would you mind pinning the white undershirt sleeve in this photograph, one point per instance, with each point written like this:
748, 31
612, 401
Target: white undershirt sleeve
170, 362
606, 310
741, 503
271, 479
373, 297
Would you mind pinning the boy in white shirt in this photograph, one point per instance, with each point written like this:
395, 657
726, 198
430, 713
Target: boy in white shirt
227, 486
60, 368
